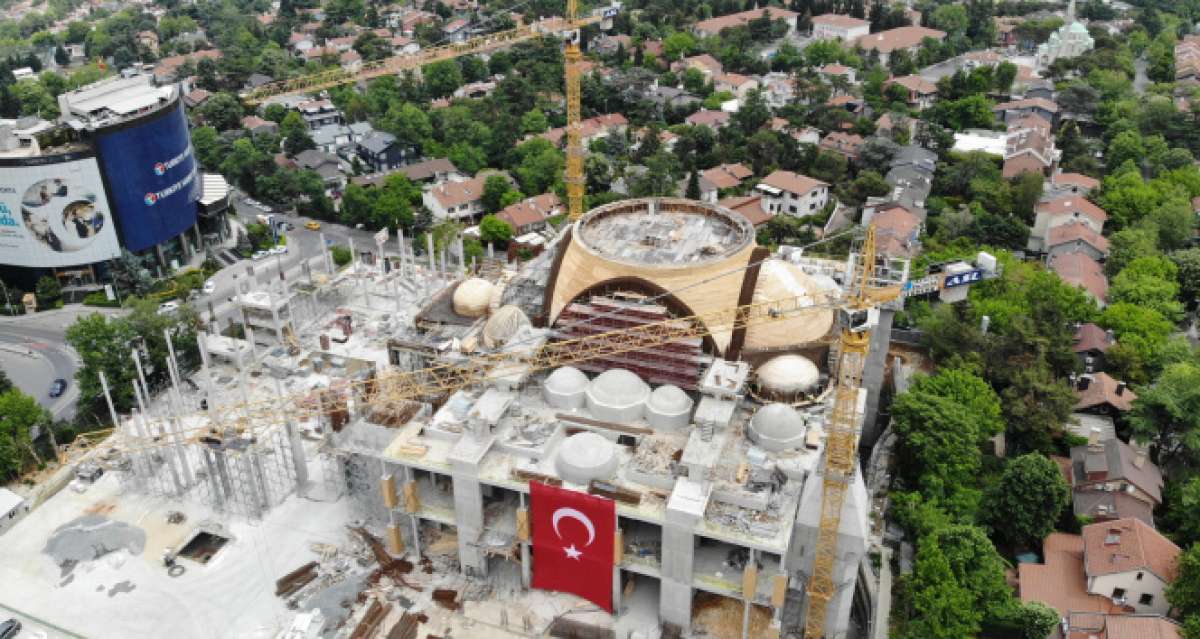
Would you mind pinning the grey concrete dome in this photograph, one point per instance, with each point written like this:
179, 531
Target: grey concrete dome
617, 395
565, 388
788, 375
777, 427
503, 324
472, 297
585, 456
668, 408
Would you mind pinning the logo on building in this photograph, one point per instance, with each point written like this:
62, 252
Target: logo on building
151, 199
6, 218
159, 168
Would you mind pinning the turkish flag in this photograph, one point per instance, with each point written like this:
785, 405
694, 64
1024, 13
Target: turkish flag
573, 542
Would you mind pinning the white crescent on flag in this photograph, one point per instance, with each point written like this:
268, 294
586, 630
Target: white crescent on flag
571, 513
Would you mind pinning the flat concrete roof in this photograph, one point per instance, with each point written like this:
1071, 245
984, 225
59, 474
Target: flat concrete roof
666, 231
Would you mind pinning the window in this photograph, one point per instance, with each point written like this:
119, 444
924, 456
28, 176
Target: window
1146, 600
792, 209
1139, 576
1118, 593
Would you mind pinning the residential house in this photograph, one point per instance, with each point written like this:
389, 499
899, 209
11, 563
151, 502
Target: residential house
714, 26
672, 97
1091, 344
410, 21
1131, 563
835, 26
593, 128
404, 45
165, 70
779, 89
1062, 209
609, 44
845, 144
896, 229
256, 125
456, 30
703, 63
257, 80
350, 61
474, 90
456, 200
1077, 269
149, 40
1074, 183
1100, 393
1060, 581
848, 102
1087, 625
195, 98
530, 215
714, 120
333, 138
727, 176
1187, 59
1030, 147
891, 124
737, 84
319, 113
792, 193
750, 207
921, 92
974, 59
326, 165
911, 178
1015, 109
1112, 480
380, 152
901, 38
1076, 237
834, 70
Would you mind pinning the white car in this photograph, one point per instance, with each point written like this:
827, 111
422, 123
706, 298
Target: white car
209, 287
258, 255
166, 308
279, 250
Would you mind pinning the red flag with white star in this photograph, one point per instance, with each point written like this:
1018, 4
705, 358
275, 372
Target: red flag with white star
573, 542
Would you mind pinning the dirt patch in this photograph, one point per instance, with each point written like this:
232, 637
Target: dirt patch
721, 617
100, 508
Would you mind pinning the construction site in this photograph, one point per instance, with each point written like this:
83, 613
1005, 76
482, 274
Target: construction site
358, 464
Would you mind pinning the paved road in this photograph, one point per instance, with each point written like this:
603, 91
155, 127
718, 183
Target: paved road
34, 352
32, 627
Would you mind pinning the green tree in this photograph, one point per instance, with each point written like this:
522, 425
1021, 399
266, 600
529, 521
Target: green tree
222, 111
1176, 223
534, 121
493, 230
294, 132
1022, 508
677, 45
1167, 414
104, 346
1184, 592
692, 192
371, 46
540, 167
1125, 147
19, 414
48, 291
442, 78
1149, 282
941, 607
341, 255
5, 383
207, 144
1188, 263
494, 188
1128, 244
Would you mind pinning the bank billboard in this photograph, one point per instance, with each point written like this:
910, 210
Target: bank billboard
55, 215
152, 177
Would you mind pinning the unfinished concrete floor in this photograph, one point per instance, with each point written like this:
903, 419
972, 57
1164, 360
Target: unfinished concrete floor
123, 596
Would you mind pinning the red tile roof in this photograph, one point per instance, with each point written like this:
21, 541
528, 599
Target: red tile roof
895, 226
1028, 103
1075, 179
1065, 204
720, 23
1127, 545
1095, 626
1023, 163
712, 119
1103, 390
792, 182
834, 68
1060, 581
750, 206
530, 210
914, 83
1076, 232
1089, 337
452, 194
726, 176
839, 20
589, 127
899, 38
1080, 270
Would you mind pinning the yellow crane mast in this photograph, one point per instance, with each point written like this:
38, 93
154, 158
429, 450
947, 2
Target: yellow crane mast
864, 295
574, 168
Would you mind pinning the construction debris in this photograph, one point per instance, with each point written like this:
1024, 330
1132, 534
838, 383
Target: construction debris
291, 583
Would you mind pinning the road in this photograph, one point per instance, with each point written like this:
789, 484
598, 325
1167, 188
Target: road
34, 352
32, 627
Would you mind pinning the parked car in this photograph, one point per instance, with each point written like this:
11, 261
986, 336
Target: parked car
209, 287
258, 255
58, 387
166, 308
279, 250
10, 629
313, 226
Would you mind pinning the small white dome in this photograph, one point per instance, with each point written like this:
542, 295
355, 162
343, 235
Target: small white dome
585, 456
777, 427
502, 325
788, 375
565, 388
472, 297
668, 408
617, 395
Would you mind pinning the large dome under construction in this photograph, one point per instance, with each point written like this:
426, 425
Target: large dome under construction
664, 232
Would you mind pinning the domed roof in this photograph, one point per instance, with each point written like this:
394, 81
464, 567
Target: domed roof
566, 379
471, 298
503, 324
777, 427
619, 386
669, 399
779, 280
585, 456
788, 374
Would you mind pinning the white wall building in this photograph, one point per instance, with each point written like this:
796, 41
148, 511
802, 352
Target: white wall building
793, 194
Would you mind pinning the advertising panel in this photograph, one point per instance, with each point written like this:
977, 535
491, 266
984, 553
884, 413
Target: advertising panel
152, 177
54, 215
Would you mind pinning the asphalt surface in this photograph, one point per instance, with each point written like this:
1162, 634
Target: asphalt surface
34, 352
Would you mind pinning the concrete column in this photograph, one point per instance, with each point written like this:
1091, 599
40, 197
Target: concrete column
526, 566
429, 252
872, 378
299, 464
217, 492
468, 514
199, 238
